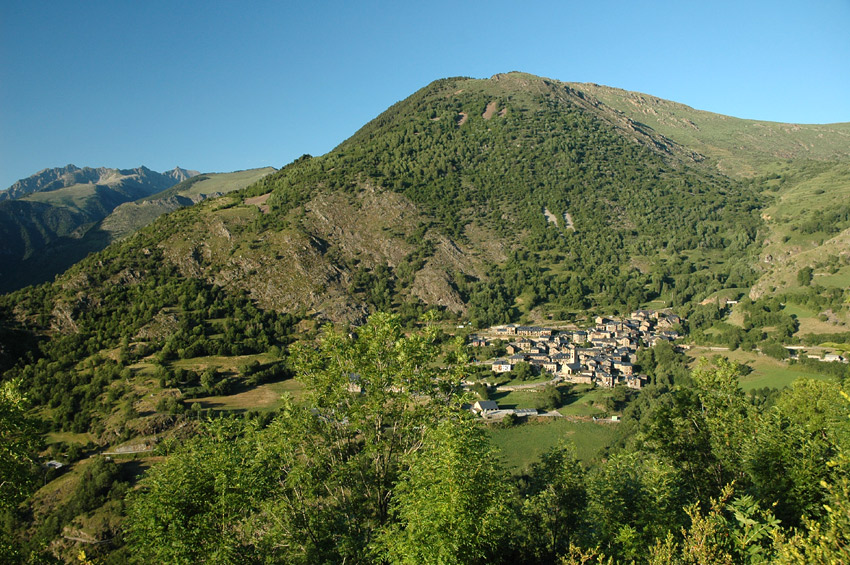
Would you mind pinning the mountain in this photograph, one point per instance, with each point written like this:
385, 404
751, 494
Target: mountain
131, 216
510, 199
52, 179
801, 170
443, 201
180, 175
737, 147
58, 204
50, 231
458, 178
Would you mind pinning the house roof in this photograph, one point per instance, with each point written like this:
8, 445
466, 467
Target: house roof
485, 405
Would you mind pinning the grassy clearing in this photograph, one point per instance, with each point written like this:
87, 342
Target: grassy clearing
583, 402
522, 445
811, 324
800, 312
265, 397
227, 182
540, 379
68, 437
515, 399
221, 363
767, 372
841, 279
76, 196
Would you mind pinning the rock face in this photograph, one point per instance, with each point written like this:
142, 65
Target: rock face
49, 179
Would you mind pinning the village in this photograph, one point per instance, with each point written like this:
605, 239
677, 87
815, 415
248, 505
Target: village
603, 355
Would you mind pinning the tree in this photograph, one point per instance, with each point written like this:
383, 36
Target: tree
192, 508
731, 532
804, 276
371, 396
700, 429
550, 398
19, 444
632, 499
826, 540
451, 504
553, 506
522, 371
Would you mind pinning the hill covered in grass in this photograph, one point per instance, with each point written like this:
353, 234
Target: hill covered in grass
735, 146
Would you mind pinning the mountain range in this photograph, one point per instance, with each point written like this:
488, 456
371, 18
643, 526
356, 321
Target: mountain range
451, 193
479, 201
54, 218
48, 180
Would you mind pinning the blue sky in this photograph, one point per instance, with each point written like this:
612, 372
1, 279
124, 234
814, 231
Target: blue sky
222, 86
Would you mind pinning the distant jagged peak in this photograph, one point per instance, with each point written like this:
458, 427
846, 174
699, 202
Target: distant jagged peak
179, 174
61, 177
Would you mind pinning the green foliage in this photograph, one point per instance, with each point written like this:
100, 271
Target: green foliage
664, 365
482, 390
80, 387
632, 500
775, 350
19, 443
731, 532
804, 276
826, 540
451, 505
522, 371
192, 508
550, 398
377, 462
373, 429
553, 512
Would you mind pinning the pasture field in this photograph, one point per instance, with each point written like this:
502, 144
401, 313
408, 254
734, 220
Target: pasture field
766, 371
522, 445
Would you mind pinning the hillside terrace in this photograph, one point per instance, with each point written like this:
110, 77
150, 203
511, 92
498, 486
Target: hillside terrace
602, 355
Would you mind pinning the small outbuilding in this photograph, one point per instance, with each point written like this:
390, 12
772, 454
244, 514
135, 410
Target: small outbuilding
484, 406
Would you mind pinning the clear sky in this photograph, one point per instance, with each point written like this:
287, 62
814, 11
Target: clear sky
223, 86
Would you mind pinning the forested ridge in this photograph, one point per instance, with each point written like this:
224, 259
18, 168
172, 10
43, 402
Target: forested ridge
338, 281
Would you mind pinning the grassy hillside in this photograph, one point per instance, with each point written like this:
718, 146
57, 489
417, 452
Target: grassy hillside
735, 146
132, 216
213, 183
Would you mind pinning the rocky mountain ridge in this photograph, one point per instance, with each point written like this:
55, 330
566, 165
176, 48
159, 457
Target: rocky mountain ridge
62, 177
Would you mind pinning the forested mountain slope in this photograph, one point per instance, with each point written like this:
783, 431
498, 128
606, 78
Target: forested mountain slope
460, 197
